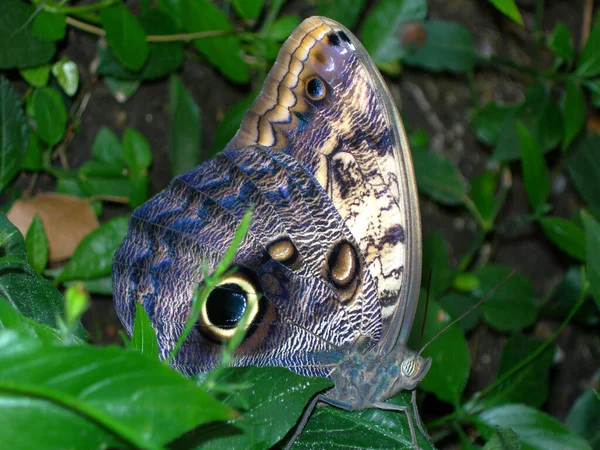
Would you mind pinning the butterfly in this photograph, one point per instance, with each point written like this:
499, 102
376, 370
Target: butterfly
330, 269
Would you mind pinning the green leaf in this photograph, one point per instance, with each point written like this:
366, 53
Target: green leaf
535, 171
138, 182
589, 59
561, 42
573, 112
281, 29
93, 256
107, 148
13, 133
248, 9
437, 262
99, 397
263, 393
594, 87
381, 32
125, 36
50, 115
49, 26
67, 75
36, 243
347, 12
489, 119
566, 294
231, 123
565, 234
186, 129
486, 198
584, 418
224, 52
530, 384
136, 151
439, 178
144, 339
509, 9
535, 429
19, 48
34, 158
592, 251
330, 428
37, 76
448, 46
583, 163
513, 305
457, 304
503, 439
122, 90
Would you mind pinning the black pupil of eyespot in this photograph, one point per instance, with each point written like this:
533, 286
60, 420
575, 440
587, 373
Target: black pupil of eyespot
225, 305
315, 88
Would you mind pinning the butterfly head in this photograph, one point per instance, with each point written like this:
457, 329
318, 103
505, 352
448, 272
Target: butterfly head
413, 369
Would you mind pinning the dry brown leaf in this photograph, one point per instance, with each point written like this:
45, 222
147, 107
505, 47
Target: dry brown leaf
593, 124
66, 219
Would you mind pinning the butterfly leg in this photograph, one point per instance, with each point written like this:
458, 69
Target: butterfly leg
304, 420
413, 402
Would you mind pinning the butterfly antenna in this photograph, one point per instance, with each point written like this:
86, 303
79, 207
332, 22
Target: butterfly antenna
426, 307
469, 311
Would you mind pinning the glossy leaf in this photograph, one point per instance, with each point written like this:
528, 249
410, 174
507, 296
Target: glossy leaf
437, 262
37, 76
438, 178
381, 33
34, 158
347, 12
19, 48
584, 418
565, 234
231, 123
535, 171
589, 59
67, 75
530, 384
592, 251
36, 244
93, 256
561, 42
509, 9
125, 36
535, 429
248, 9
13, 133
503, 439
574, 112
101, 396
50, 115
107, 148
144, 338
136, 150
223, 52
447, 46
583, 163
186, 129
49, 26
513, 305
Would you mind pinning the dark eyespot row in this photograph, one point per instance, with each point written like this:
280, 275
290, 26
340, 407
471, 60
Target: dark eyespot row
343, 265
334, 38
284, 251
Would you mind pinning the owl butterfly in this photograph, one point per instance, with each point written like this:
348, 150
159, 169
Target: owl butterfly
329, 272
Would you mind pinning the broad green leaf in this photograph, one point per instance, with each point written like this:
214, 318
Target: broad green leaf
439, 178
13, 133
77, 302
136, 150
347, 12
592, 252
457, 304
67, 75
96, 178
566, 294
537, 430
281, 29
93, 256
262, 393
566, 234
381, 33
503, 439
447, 46
100, 397
535, 171
138, 182
248, 9
583, 163
125, 35
144, 338
584, 418
513, 305
34, 158
466, 282
186, 129
50, 115
589, 59
37, 76
437, 262
36, 244
19, 48
231, 123
49, 26
561, 42
107, 148
223, 52
330, 428
530, 384
488, 121
483, 194
122, 90
509, 9
573, 112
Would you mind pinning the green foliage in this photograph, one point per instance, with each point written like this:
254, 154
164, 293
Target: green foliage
186, 129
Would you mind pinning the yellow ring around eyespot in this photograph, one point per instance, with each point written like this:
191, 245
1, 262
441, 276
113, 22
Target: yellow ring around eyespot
251, 302
320, 97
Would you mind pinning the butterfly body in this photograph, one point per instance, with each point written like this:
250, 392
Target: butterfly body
330, 268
